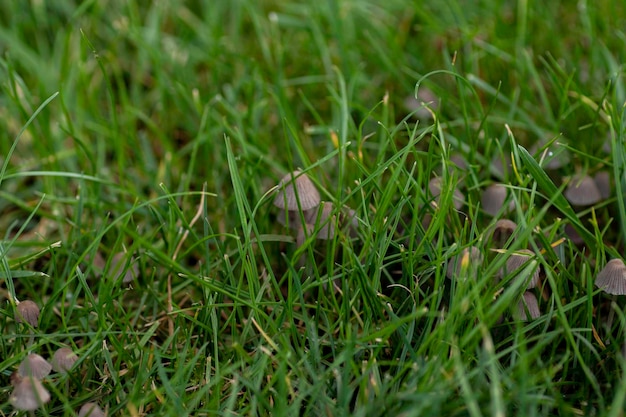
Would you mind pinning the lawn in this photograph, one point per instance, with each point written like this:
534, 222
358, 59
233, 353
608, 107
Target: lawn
329, 208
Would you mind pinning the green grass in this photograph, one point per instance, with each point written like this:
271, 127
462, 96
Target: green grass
159, 129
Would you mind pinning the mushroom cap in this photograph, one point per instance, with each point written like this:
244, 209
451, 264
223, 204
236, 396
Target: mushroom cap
493, 199
35, 366
461, 263
517, 263
502, 231
29, 394
27, 312
528, 303
296, 187
612, 278
573, 235
435, 185
63, 360
91, 410
119, 270
289, 218
554, 156
582, 191
603, 182
322, 215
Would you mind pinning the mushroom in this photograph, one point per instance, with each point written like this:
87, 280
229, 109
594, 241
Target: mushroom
28, 312
460, 264
91, 410
435, 185
582, 191
493, 199
322, 216
502, 232
517, 262
296, 192
528, 307
63, 360
603, 182
28, 394
612, 278
119, 268
34, 366
551, 157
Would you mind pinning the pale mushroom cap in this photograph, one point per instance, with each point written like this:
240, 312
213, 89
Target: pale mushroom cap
91, 410
295, 187
459, 264
120, 270
27, 312
603, 182
518, 261
322, 215
35, 366
493, 199
554, 156
582, 191
29, 394
502, 231
434, 186
612, 278
528, 303
63, 360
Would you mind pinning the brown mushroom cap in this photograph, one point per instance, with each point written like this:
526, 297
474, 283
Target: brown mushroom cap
296, 191
35, 366
63, 360
435, 185
528, 303
612, 278
493, 199
518, 261
91, 410
29, 394
502, 232
27, 312
461, 263
582, 191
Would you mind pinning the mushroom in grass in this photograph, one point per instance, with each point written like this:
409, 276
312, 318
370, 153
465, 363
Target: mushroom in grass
34, 366
435, 187
502, 232
493, 199
124, 268
582, 191
322, 218
91, 410
467, 260
28, 312
603, 182
63, 360
612, 278
553, 156
528, 307
523, 264
296, 192
28, 394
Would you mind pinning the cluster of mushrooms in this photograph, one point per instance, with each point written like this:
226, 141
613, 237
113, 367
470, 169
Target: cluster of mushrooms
581, 191
29, 392
301, 209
